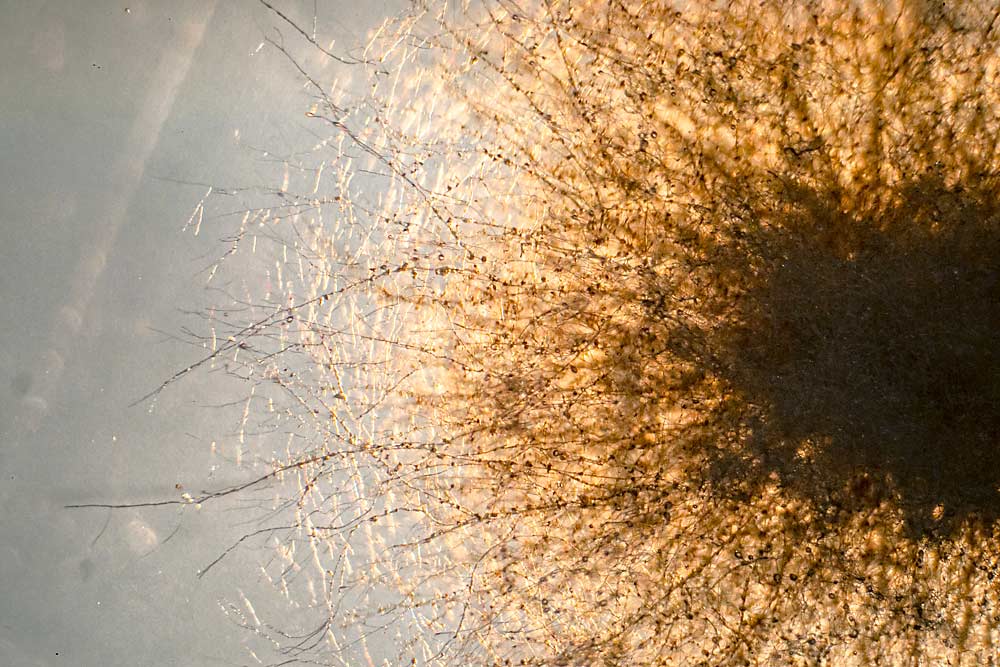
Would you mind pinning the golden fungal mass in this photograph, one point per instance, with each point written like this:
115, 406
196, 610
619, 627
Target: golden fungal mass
644, 333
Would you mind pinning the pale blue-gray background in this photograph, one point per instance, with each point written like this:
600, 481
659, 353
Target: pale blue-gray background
103, 106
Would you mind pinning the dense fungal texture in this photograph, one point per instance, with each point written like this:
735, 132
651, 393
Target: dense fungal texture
674, 336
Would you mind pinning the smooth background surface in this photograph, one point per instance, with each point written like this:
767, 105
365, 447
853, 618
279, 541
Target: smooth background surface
104, 107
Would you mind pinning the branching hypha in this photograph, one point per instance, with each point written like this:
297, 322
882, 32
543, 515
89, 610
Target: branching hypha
629, 333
